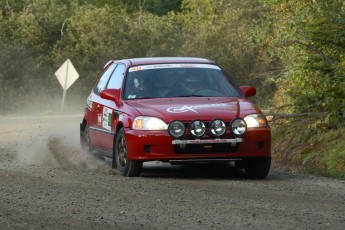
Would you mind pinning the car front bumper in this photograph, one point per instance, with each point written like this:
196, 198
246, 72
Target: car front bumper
159, 145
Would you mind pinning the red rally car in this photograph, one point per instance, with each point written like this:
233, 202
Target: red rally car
174, 110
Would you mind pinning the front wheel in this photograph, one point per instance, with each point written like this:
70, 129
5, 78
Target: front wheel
257, 167
128, 168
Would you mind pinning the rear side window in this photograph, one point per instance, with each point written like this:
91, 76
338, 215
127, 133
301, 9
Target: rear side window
103, 81
116, 79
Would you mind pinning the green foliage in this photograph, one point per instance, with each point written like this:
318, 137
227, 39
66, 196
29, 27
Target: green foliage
297, 44
92, 32
21, 81
157, 7
230, 33
310, 43
327, 158
305, 144
96, 35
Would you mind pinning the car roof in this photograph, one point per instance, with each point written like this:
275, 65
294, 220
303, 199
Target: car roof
163, 60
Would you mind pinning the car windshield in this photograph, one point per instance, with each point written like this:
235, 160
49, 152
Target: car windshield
177, 80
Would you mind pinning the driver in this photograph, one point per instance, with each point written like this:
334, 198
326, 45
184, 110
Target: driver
192, 84
140, 87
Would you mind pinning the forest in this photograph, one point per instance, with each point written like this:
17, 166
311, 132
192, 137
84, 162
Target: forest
292, 51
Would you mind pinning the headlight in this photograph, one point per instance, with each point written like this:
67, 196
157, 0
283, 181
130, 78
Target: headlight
238, 126
255, 121
217, 127
197, 128
176, 129
149, 123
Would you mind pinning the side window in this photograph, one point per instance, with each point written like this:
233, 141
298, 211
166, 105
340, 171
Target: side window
104, 79
115, 81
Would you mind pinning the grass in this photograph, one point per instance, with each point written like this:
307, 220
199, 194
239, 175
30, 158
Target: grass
307, 145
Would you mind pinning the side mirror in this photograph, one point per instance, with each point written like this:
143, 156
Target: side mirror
111, 94
248, 91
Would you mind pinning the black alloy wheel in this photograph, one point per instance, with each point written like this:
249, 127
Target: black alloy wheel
128, 168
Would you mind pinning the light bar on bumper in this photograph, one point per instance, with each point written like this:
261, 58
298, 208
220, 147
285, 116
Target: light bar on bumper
217, 127
176, 129
238, 126
197, 128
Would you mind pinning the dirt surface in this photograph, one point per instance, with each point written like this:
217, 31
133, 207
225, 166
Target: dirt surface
48, 183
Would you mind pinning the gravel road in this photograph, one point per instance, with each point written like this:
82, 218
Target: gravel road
48, 183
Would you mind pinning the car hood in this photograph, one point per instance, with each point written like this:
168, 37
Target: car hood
191, 108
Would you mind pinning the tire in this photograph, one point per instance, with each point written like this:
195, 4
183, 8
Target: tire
257, 167
239, 164
85, 140
128, 168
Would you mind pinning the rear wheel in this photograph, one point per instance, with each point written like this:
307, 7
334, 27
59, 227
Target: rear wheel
257, 167
126, 167
85, 140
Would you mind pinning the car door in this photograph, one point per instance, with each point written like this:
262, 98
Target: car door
110, 110
95, 105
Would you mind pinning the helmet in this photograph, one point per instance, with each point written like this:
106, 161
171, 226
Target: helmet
193, 83
192, 80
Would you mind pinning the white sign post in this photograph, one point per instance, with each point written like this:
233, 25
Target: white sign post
66, 75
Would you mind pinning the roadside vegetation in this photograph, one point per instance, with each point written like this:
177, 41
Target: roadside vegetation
291, 51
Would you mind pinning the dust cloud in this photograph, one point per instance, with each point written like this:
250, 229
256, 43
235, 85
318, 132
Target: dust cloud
33, 130
51, 141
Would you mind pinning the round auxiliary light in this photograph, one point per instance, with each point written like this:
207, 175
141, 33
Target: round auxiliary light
217, 127
197, 128
238, 126
176, 129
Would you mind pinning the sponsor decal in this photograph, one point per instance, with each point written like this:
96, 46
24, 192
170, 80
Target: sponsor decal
165, 66
215, 141
132, 96
106, 118
99, 119
89, 102
193, 108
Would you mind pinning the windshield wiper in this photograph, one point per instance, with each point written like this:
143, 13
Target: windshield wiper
192, 95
